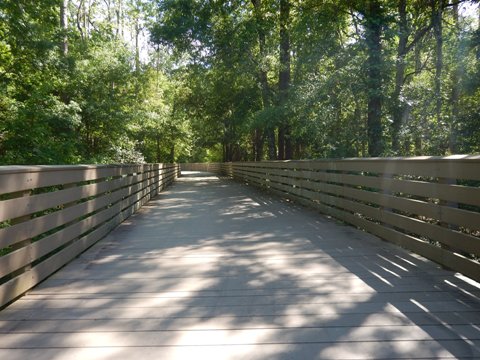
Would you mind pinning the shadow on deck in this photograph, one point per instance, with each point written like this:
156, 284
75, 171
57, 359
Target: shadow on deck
217, 270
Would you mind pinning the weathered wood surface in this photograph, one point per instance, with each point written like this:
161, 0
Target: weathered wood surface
430, 205
207, 167
50, 214
212, 269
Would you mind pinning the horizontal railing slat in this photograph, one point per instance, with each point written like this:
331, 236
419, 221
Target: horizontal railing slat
32, 252
20, 284
44, 176
39, 225
420, 166
89, 212
456, 240
447, 192
30, 204
420, 202
441, 256
205, 167
446, 214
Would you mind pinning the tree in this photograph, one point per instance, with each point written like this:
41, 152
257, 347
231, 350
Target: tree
373, 36
284, 131
236, 80
268, 131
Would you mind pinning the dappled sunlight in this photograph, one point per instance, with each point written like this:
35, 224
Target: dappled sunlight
381, 278
223, 337
383, 350
270, 280
390, 272
97, 339
464, 291
393, 263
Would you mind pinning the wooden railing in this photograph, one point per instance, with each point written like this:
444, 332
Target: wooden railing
50, 214
207, 167
429, 205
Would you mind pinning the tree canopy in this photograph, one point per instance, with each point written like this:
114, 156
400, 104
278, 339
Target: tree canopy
119, 81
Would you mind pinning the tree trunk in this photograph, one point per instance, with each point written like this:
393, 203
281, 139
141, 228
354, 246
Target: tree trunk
418, 59
157, 141
281, 141
137, 46
455, 80
360, 143
418, 145
265, 87
398, 109
288, 141
80, 22
437, 11
85, 19
374, 78
272, 150
229, 153
478, 36
64, 26
284, 131
172, 153
257, 145
118, 15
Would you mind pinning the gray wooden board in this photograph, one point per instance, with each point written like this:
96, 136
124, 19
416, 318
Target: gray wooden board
242, 306
50, 306
232, 336
335, 351
378, 319
222, 271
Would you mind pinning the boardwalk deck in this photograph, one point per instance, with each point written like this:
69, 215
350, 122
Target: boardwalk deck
211, 269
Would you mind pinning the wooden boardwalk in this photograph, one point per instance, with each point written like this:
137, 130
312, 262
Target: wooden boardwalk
212, 269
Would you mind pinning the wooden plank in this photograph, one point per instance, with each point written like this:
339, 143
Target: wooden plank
43, 176
468, 219
442, 213
459, 241
26, 205
28, 254
206, 167
244, 174
20, 284
466, 167
456, 193
32, 252
134, 198
37, 226
125, 201
449, 259
13, 208
463, 242
245, 177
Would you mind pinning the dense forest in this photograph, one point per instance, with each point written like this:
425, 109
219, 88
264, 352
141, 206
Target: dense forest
120, 81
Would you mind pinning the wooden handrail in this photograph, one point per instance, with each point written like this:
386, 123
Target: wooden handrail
50, 214
206, 167
429, 205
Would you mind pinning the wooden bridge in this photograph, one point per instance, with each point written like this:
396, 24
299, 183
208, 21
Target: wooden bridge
213, 269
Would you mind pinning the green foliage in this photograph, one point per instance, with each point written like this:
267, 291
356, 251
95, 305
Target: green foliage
332, 89
210, 88
93, 104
